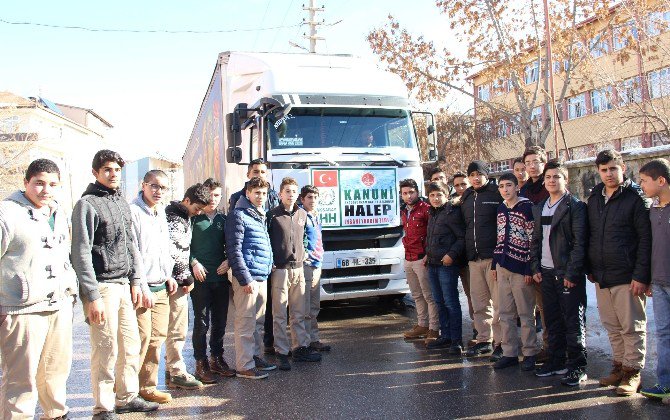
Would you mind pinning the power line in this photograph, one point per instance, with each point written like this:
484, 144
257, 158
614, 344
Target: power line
282, 22
148, 31
267, 6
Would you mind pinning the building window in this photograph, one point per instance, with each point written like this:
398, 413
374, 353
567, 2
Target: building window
623, 33
659, 83
628, 143
657, 23
485, 130
599, 46
630, 91
601, 100
501, 129
501, 165
532, 72
484, 92
659, 139
515, 125
577, 106
536, 117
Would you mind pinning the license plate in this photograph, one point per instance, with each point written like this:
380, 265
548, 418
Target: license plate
355, 262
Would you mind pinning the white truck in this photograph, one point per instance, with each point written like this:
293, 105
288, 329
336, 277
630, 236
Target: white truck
334, 121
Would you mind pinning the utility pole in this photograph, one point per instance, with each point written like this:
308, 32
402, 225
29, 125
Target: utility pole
550, 75
312, 9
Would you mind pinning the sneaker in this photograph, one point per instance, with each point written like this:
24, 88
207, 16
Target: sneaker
137, 405
319, 346
456, 349
283, 363
657, 391
479, 349
439, 343
251, 374
156, 396
505, 362
551, 368
303, 354
574, 377
497, 354
184, 381
219, 365
528, 363
105, 415
416, 332
263, 365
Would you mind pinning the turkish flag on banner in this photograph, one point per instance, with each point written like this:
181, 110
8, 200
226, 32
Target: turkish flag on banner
326, 178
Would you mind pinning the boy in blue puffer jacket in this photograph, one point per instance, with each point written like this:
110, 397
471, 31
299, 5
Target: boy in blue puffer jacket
250, 258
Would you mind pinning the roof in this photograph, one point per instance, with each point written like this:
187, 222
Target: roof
95, 114
10, 99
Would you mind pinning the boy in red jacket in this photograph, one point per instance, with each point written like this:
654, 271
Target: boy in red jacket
414, 214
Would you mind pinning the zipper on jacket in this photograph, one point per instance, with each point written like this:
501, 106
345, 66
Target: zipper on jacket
474, 219
125, 241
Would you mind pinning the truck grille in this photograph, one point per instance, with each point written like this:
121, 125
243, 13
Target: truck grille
355, 271
345, 240
356, 286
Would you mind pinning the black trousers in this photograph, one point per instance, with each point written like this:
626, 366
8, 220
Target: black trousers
565, 318
210, 300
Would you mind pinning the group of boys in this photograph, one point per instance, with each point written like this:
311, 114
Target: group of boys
524, 245
133, 266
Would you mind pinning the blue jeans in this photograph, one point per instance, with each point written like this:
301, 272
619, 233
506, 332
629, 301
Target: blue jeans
661, 297
444, 285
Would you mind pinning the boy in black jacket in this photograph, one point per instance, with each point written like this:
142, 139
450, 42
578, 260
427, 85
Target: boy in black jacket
480, 204
620, 258
558, 251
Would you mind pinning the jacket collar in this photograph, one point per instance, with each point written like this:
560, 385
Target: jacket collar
562, 209
139, 202
100, 190
19, 198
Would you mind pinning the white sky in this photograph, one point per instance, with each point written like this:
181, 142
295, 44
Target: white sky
150, 85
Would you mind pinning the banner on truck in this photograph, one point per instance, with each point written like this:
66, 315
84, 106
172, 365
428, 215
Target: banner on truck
357, 197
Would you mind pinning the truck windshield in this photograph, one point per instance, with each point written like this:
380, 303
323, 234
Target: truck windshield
341, 127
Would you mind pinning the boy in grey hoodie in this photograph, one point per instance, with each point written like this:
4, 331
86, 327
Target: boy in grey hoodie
37, 292
110, 273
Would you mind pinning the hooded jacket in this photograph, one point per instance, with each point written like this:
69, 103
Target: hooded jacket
620, 236
445, 234
480, 210
248, 243
568, 238
103, 241
35, 271
153, 241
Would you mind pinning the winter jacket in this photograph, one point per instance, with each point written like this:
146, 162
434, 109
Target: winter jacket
445, 234
287, 235
620, 236
314, 241
248, 243
415, 227
35, 271
515, 230
272, 201
103, 241
179, 227
480, 211
568, 239
534, 191
153, 241
208, 244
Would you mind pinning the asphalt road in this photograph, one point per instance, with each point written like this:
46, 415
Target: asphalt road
373, 373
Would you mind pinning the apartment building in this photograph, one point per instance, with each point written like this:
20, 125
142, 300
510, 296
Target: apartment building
617, 96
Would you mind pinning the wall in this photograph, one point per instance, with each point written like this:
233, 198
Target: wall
584, 176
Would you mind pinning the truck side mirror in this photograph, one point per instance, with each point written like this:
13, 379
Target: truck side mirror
234, 155
234, 131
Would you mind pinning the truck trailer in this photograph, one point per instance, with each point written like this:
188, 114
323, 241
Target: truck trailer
334, 121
